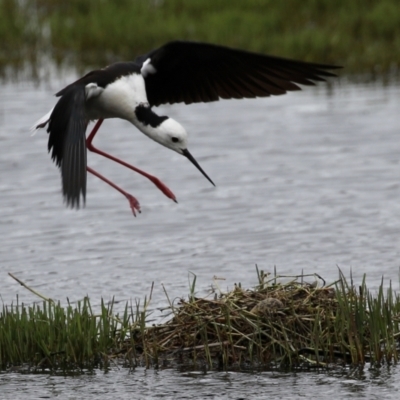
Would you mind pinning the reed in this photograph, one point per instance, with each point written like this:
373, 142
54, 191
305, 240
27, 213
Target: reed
51, 336
362, 35
283, 322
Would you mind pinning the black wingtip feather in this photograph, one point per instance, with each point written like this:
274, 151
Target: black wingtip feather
73, 173
67, 143
182, 67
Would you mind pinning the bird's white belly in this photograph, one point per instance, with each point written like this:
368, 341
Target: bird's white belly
117, 100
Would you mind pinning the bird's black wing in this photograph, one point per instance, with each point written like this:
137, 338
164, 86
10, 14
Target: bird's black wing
67, 142
68, 123
105, 76
193, 72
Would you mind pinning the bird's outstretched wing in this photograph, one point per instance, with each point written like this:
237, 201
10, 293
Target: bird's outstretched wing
193, 72
67, 142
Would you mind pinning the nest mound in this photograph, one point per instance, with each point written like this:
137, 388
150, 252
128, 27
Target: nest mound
273, 324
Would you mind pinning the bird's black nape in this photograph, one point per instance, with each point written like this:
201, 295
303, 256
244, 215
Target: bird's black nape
146, 116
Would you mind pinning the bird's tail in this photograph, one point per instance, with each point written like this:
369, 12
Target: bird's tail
40, 123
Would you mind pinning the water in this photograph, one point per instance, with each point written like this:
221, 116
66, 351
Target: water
171, 385
306, 181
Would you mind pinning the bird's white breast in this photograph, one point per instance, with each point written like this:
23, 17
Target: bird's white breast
118, 99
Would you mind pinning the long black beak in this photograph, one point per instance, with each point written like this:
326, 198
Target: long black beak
187, 154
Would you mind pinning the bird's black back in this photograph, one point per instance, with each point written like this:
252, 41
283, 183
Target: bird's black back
105, 76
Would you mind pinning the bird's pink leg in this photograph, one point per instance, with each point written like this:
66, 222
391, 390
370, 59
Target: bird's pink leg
152, 178
133, 202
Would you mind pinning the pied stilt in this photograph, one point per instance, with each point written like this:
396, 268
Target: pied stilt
179, 71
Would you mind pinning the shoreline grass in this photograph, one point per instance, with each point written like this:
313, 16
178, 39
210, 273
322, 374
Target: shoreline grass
275, 325
362, 35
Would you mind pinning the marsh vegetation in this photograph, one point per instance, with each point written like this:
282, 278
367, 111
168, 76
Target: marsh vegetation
283, 322
363, 35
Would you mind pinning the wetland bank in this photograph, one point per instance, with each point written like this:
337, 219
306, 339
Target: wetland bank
311, 184
361, 35
292, 326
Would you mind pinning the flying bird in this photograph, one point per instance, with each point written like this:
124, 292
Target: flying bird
177, 72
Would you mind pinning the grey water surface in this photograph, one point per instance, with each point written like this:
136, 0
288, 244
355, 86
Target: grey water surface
307, 181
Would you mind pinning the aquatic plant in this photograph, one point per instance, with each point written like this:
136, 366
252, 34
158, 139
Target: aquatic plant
277, 324
362, 35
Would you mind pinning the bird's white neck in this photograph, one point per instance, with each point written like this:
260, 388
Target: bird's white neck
162, 129
148, 122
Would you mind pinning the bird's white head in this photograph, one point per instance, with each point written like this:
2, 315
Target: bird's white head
173, 135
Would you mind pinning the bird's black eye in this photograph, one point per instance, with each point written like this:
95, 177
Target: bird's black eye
175, 139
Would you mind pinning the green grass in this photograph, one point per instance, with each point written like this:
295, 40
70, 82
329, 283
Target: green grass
362, 35
340, 324
56, 337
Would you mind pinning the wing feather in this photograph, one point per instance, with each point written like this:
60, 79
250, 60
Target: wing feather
193, 72
67, 143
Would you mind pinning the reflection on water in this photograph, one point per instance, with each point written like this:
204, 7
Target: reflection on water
305, 181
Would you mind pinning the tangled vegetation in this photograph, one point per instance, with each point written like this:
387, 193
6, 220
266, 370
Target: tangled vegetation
274, 325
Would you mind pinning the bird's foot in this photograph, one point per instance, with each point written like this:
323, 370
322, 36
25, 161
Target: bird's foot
134, 204
164, 188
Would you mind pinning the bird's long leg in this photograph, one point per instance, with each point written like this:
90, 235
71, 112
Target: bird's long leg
133, 202
152, 178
